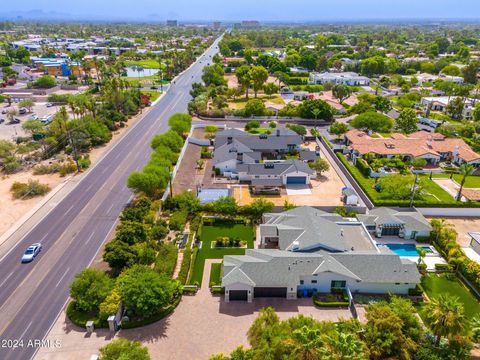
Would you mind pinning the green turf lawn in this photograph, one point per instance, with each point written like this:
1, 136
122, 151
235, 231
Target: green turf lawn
471, 181
148, 63
434, 285
434, 194
261, 131
215, 274
210, 233
154, 94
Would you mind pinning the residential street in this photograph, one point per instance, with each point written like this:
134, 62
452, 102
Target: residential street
33, 295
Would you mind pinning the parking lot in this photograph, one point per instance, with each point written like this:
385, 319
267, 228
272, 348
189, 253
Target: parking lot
11, 131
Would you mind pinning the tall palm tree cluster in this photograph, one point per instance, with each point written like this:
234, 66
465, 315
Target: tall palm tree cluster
392, 331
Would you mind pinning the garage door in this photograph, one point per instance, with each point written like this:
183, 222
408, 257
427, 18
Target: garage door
238, 295
296, 180
270, 292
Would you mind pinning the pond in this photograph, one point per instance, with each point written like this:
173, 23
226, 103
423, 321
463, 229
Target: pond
132, 72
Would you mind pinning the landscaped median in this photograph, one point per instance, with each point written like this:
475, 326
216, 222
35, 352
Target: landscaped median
432, 195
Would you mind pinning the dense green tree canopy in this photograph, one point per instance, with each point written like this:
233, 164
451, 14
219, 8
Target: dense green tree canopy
374, 121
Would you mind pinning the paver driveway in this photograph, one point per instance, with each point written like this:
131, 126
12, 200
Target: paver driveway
201, 326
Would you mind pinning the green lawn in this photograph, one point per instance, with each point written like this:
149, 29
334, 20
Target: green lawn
261, 131
145, 80
239, 103
210, 233
434, 194
148, 63
216, 274
434, 285
471, 182
154, 94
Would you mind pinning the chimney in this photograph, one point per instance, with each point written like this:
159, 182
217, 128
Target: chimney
341, 232
278, 132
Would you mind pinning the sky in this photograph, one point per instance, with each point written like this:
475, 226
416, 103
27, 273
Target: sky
230, 10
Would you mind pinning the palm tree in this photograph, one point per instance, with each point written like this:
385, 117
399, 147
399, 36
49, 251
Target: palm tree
307, 343
421, 254
475, 328
465, 170
439, 225
346, 346
266, 318
445, 316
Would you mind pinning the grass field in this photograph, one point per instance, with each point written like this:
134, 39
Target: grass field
434, 285
216, 274
154, 94
470, 182
210, 233
148, 63
434, 194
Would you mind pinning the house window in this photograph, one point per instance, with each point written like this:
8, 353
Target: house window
301, 282
314, 281
338, 284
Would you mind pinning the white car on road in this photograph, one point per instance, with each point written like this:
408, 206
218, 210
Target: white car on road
31, 252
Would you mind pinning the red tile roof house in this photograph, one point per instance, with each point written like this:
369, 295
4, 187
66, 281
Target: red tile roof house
433, 147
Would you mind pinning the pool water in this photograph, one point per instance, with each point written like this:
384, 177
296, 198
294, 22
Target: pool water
406, 249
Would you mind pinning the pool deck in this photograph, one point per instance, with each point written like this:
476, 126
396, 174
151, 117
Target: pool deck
430, 259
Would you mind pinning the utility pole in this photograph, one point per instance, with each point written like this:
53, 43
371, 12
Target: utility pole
413, 189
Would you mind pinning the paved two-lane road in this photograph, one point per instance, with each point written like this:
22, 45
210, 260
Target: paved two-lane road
32, 295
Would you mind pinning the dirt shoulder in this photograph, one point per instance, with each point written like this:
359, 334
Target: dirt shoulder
13, 210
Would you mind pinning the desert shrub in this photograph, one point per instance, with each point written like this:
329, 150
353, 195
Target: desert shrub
29, 189
44, 169
67, 168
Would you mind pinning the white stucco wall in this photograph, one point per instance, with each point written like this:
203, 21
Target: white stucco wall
324, 283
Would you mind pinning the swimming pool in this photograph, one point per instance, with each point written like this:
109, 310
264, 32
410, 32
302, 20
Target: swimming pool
406, 249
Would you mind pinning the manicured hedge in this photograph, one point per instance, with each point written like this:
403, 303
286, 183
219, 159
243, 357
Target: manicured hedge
166, 311
217, 290
330, 304
445, 267
189, 290
80, 318
363, 167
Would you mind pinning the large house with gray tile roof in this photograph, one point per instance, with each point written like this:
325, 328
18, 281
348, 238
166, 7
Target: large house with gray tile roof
257, 159
306, 250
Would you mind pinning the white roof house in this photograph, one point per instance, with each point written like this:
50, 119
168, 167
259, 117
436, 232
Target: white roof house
345, 78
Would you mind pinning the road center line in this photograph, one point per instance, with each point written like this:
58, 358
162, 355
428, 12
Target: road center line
90, 237
25, 331
59, 281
